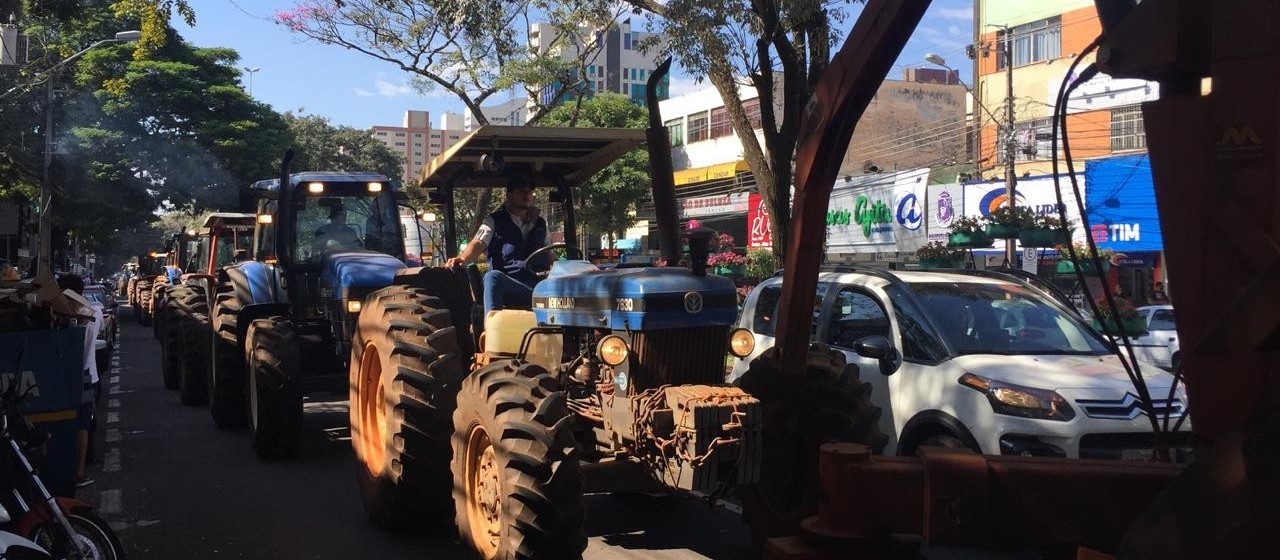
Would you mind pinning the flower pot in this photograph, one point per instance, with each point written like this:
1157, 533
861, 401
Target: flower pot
1133, 326
1086, 266
976, 239
1043, 237
940, 263
1003, 231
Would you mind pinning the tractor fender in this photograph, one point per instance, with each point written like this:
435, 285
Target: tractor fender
256, 311
254, 282
931, 422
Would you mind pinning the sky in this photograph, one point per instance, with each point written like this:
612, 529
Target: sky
352, 89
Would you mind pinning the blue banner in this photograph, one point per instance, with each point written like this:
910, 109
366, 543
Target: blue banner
1121, 204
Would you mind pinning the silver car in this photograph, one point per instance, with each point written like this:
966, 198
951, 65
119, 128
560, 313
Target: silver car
1160, 344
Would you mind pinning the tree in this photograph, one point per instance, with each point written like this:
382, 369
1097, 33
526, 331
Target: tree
780, 47
607, 203
320, 146
470, 49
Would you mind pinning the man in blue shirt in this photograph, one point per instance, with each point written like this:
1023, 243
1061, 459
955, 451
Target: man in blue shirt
508, 236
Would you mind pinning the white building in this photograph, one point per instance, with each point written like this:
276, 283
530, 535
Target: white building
617, 67
514, 112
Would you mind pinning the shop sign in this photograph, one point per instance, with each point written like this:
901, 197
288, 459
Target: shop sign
860, 218
944, 204
759, 230
1121, 203
713, 205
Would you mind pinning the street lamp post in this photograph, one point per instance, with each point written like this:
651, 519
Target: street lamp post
46, 194
936, 60
251, 70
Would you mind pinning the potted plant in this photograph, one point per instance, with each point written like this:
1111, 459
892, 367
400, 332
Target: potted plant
1006, 221
1109, 319
727, 263
1046, 230
968, 231
1083, 260
937, 254
761, 264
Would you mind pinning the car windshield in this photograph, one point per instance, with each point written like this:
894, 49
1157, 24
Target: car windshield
1161, 320
980, 318
342, 223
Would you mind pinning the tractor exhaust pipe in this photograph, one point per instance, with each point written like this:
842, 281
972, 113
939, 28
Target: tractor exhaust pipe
660, 170
699, 250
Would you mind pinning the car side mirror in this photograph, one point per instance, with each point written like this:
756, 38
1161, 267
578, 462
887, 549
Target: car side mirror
878, 347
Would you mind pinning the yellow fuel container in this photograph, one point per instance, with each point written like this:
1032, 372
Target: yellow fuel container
504, 329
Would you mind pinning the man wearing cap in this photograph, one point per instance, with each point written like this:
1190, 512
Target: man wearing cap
508, 236
335, 235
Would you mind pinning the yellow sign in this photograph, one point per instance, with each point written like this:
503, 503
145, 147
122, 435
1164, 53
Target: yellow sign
709, 173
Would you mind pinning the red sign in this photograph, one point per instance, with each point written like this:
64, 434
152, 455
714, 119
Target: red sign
759, 231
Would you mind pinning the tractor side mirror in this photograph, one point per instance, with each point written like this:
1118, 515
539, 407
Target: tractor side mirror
877, 347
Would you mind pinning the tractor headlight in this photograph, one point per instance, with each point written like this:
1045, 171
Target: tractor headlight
375, 187
353, 306
315, 188
741, 343
612, 350
1016, 400
265, 218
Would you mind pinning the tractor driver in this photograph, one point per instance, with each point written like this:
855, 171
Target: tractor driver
336, 234
508, 235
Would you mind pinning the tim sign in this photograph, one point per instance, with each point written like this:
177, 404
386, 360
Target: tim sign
759, 231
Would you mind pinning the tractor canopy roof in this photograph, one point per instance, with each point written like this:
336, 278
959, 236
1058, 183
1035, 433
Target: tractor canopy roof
493, 155
236, 220
333, 178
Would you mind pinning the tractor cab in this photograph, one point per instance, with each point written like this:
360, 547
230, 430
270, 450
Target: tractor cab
221, 238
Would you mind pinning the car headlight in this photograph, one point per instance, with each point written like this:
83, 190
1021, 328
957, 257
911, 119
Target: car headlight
741, 343
1016, 400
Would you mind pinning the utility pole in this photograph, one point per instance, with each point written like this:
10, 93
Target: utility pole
1011, 148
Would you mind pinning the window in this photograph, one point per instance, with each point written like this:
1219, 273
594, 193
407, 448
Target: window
720, 126
765, 320
641, 74
399, 143
418, 144
1006, 319
400, 134
417, 135
591, 70
697, 127
1032, 42
453, 137
918, 343
1161, 320
752, 108
1127, 130
382, 133
854, 316
1033, 140
675, 128
599, 87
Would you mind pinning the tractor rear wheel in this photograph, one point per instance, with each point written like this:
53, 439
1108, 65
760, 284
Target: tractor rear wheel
828, 403
171, 350
194, 335
159, 291
143, 291
227, 392
517, 487
405, 370
275, 388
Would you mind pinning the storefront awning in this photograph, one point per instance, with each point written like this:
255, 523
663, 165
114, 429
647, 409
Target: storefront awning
709, 173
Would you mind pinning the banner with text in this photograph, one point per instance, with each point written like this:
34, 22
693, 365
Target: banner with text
735, 203
944, 204
759, 230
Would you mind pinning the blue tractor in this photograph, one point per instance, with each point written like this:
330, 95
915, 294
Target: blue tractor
282, 321
494, 418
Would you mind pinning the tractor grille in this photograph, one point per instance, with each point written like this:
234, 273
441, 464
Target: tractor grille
679, 357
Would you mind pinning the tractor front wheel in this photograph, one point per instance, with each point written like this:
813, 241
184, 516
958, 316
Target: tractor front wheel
517, 487
193, 367
227, 390
173, 317
827, 403
405, 370
275, 388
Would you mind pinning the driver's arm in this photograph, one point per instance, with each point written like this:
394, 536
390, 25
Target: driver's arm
476, 247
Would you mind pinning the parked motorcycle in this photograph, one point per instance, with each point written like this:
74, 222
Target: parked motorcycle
13, 547
66, 527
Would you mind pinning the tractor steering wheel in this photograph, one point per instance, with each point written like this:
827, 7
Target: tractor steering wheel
545, 249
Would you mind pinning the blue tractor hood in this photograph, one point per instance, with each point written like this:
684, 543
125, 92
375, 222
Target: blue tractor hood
633, 298
359, 269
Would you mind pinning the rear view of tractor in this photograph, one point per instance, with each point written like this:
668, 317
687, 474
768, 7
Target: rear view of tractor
184, 334
281, 324
150, 267
494, 418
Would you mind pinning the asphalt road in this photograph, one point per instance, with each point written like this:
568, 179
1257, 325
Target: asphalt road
174, 486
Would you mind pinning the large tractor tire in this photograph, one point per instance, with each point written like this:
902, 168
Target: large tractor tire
194, 335
143, 295
827, 403
177, 311
517, 487
228, 398
405, 370
275, 388
159, 291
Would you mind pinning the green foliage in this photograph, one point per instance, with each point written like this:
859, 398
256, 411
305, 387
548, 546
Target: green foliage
940, 250
607, 204
1020, 216
761, 264
154, 18
967, 224
321, 146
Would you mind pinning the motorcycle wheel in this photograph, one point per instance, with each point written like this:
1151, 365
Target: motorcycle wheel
92, 533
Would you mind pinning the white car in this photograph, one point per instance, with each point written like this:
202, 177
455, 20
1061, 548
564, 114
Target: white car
1160, 345
983, 361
